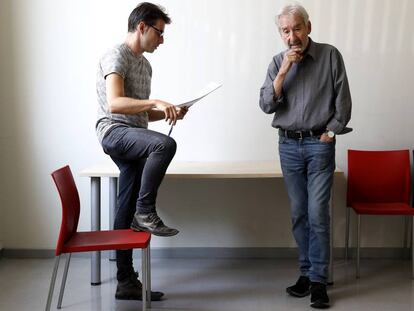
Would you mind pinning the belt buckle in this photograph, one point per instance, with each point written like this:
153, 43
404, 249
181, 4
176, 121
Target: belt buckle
300, 134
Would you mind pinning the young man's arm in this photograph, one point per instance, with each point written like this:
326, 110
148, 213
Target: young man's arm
120, 104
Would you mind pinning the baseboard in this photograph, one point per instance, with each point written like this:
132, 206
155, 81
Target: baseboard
221, 252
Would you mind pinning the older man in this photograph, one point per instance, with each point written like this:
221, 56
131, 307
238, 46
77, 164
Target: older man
306, 88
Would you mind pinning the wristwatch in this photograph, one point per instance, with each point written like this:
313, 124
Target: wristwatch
330, 134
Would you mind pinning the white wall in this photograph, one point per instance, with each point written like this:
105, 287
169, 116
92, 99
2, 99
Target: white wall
50, 49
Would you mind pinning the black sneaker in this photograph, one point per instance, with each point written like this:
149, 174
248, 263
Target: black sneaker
319, 296
301, 288
151, 223
131, 289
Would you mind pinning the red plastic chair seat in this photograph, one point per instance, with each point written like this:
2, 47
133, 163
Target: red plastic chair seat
106, 240
382, 208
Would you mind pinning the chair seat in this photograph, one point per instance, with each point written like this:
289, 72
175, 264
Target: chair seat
383, 208
106, 240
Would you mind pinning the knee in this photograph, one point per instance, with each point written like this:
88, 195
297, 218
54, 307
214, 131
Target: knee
168, 145
319, 219
298, 218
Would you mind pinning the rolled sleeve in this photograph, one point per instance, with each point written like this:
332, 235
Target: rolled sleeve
268, 102
343, 101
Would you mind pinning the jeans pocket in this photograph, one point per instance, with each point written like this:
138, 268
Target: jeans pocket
323, 157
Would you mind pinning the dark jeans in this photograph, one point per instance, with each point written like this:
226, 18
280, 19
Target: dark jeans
142, 157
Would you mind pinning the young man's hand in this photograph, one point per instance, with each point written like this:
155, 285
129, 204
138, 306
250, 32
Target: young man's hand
170, 111
181, 112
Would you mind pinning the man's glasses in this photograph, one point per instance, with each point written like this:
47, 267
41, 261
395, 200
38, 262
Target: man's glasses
159, 32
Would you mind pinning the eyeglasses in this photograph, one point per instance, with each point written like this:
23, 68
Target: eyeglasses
159, 32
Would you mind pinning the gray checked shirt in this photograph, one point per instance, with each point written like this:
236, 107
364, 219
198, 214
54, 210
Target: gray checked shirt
315, 93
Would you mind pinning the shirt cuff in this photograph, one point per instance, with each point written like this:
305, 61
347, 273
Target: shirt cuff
338, 128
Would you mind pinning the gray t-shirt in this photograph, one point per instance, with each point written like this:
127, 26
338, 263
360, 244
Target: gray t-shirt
136, 72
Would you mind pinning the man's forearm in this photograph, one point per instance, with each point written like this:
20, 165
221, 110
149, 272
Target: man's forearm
155, 115
278, 84
127, 105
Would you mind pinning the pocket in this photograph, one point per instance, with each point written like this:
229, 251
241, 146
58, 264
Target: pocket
323, 156
318, 139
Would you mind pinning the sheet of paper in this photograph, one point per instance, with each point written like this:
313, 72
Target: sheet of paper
209, 88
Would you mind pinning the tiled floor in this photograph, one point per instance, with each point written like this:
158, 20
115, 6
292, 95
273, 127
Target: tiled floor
208, 284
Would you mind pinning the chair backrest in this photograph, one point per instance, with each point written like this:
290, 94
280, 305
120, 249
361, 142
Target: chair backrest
378, 176
69, 198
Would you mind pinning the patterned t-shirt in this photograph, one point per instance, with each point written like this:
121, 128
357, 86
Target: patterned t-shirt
136, 72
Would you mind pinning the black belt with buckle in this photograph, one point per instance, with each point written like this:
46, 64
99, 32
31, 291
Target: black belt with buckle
300, 134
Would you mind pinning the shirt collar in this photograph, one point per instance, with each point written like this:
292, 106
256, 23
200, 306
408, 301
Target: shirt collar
311, 50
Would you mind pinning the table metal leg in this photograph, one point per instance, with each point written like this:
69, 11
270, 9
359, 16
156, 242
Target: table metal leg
113, 194
95, 226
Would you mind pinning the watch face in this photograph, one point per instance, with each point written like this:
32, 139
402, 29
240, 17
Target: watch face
331, 134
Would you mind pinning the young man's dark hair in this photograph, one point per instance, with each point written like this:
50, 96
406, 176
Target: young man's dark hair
148, 13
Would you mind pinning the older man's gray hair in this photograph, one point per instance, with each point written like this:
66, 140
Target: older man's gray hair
293, 8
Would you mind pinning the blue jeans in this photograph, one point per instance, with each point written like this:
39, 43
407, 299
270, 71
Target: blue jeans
142, 157
308, 167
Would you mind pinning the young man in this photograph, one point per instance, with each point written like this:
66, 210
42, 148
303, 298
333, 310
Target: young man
142, 155
306, 88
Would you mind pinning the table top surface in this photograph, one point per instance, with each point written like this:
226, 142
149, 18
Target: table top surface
200, 170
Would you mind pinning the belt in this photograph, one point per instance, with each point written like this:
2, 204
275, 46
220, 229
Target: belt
300, 134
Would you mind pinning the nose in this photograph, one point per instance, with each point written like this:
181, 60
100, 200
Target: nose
292, 36
161, 40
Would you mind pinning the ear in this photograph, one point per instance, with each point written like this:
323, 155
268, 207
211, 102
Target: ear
309, 27
141, 27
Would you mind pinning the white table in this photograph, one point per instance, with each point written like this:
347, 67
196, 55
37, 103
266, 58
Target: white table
181, 170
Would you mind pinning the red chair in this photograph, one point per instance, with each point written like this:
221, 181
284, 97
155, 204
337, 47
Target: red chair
71, 241
378, 184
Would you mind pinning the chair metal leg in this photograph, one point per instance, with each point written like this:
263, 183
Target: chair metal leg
65, 275
144, 270
148, 274
52, 283
410, 228
347, 223
412, 248
405, 240
331, 238
358, 245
